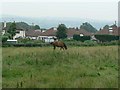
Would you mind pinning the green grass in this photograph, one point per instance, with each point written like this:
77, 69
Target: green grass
83, 67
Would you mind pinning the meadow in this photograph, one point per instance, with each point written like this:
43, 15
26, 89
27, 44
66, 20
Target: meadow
43, 67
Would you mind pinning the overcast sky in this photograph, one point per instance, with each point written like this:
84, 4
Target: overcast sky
96, 10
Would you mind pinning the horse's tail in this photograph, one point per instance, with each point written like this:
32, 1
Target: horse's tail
65, 46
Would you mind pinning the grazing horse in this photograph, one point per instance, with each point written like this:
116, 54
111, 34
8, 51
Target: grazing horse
59, 44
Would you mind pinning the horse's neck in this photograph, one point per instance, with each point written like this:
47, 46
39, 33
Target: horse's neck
56, 40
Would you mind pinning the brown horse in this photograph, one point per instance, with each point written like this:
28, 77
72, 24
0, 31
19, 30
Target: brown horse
59, 44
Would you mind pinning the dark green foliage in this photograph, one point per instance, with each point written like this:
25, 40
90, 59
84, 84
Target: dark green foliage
61, 31
12, 29
81, 38
36, 27
20, 40
26, 45
88, 27
23, 25
106, 38
8, 35
106, 27
27, 40
4, 38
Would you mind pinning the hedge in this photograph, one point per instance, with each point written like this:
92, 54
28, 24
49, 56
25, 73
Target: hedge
106, 38
81, 38
25, 45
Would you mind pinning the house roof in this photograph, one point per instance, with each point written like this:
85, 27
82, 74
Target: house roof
72, 31
107, 31
49, 32
33, 33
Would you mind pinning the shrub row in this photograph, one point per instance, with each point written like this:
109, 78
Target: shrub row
25, 45
81, 38
76, 43
106, 38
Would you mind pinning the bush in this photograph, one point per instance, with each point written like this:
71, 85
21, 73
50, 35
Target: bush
91, 43
27, 40
4, 38
106, 38
25, 45
81, 38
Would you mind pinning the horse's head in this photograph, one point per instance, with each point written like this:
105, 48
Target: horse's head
51, 42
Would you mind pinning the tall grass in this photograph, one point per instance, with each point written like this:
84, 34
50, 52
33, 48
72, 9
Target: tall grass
83, 67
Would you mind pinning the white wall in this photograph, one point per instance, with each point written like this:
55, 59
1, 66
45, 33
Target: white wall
20, 34
3, 32
47, 38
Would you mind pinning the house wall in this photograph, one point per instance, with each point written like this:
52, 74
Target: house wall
3, 32
47, 38
32, 37
20, 34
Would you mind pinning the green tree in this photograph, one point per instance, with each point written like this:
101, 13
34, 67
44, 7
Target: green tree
8, 35
88, 27
12, 29
36, 27
4, 38
61, 31
106, 27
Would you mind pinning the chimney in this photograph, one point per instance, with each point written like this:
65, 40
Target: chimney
4, 25
115, 23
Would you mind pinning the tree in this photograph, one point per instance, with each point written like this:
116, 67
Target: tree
88, 27
4, 38
61, 31
36, 27
8, 35
106, 27
12, 29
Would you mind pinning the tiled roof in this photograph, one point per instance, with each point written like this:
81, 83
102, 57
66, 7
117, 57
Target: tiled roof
49, 32
107, 31
33, 33
71, 32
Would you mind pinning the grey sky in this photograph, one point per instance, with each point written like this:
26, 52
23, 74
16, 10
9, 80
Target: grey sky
91, 10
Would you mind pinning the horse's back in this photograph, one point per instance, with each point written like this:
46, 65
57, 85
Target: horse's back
59, 44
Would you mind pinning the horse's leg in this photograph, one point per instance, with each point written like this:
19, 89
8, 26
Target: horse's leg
63, 48
54, 47
60, 48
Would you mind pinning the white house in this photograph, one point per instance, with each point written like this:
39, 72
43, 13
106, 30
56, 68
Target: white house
19, 34
49, 35
3, 28
3, 32
33, 34
46, 36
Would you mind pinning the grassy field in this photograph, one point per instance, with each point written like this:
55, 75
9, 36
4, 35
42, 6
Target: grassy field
77, 67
